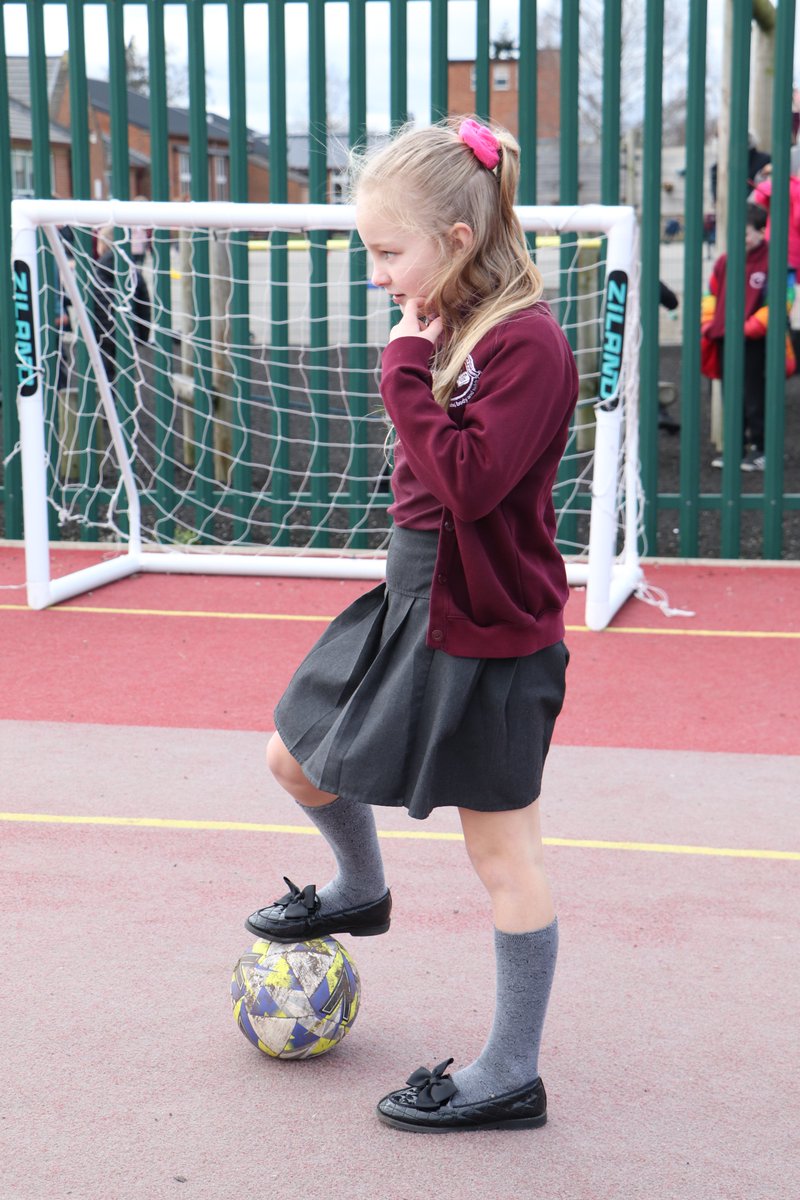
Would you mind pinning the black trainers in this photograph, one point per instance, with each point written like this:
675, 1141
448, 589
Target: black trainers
753, 461
424, 1106
296, 917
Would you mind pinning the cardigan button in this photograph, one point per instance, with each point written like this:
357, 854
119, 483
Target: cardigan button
437, 635
448, 526
440, 578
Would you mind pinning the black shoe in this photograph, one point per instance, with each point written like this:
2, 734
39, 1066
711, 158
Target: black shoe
754, 460
296, 917
424, 1106
667, 422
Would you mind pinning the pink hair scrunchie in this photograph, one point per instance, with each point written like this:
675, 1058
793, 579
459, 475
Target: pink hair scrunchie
481, 141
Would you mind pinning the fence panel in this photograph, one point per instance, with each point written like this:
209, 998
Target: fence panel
688, 515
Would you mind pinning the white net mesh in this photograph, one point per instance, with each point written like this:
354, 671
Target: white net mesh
242, 368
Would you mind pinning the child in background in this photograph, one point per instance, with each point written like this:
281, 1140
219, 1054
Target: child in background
442, 686
762, 196
141, 240
120, 301
755, 328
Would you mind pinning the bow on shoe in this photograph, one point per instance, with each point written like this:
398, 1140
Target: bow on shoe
296, 903
434, 1088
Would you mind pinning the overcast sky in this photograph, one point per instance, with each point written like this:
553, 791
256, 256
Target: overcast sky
461, 26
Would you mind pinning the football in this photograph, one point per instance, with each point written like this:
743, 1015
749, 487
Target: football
295, 999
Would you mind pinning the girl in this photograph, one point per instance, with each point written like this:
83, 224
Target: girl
443, 686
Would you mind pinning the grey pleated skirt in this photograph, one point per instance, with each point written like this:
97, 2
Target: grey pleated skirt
375, 715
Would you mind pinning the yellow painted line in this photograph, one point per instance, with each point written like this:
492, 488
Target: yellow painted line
728, 633
553, 240
171, 612
667, 848
402, 834
340, 243
250, 616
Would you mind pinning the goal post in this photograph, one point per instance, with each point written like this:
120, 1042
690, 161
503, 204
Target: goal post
214, 408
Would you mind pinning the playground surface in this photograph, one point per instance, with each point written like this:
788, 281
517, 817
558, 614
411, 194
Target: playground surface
139, 827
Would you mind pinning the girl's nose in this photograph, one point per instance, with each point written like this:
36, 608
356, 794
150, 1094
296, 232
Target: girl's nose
380, 276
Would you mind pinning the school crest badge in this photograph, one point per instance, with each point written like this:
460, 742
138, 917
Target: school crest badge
466, 384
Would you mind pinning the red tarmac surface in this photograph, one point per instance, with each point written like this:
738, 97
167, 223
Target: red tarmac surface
131, 742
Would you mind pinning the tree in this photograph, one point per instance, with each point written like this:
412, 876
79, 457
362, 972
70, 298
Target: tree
633, 81
504, 46
137, 68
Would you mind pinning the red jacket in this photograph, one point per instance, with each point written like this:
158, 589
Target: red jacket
499, 587
762, 194
756, 314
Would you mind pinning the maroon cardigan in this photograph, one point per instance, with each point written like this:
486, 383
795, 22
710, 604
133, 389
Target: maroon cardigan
499, 587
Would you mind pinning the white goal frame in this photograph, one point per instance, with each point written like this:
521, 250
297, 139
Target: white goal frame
609, 577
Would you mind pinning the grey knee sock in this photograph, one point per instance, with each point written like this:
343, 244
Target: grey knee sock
525, 967
349, 829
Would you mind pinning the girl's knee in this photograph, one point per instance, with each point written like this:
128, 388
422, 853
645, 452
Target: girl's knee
504, 871
505, 855
285, 769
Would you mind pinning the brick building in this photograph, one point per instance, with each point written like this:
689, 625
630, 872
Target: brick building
139, 144
504, 90
21, 130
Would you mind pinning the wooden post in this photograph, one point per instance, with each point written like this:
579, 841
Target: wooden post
589, 335
222, 366
763, 80
69, 458
183, 381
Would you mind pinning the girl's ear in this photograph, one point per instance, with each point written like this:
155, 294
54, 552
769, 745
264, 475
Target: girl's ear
461, 236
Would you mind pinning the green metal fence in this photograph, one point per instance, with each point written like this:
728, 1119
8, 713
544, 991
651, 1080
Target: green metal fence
688, 506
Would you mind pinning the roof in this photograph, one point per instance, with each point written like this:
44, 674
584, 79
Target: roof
19, 84
19, 98
219, 129
20, 119
99, 91
298, 150
135, 157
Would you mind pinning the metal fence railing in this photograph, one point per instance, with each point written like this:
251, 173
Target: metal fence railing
45, 96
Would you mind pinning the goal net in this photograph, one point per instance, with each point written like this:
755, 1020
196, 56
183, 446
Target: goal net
198, 387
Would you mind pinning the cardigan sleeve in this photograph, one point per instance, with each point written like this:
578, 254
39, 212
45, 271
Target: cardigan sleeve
525, 393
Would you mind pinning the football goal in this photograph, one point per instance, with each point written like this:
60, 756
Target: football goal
198, 391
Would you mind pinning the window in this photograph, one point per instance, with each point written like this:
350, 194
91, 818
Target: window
221, 191
22, 172
184, 172
501, 78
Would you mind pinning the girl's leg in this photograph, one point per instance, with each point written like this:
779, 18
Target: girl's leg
348, 826
505, 849
289, 774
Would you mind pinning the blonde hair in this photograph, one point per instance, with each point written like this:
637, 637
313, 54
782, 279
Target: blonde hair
428, 180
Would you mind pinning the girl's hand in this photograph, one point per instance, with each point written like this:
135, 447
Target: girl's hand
413, 325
